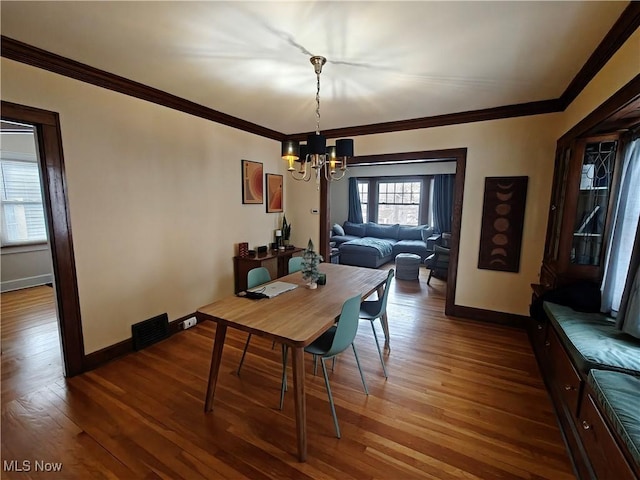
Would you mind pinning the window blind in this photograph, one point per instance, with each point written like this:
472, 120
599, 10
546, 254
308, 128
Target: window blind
21, 198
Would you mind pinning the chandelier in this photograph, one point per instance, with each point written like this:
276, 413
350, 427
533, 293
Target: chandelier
314, 157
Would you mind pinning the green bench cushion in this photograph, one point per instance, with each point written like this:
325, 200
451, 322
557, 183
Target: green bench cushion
593, 341
619, 396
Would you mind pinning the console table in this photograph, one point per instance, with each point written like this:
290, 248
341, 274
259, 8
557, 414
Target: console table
242, 265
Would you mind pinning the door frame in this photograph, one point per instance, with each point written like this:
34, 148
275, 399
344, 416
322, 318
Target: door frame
56, 206
459, 155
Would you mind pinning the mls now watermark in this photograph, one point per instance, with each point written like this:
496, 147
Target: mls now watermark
31, 466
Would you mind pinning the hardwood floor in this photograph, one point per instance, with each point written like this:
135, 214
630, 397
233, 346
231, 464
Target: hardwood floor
463, 400
31, 355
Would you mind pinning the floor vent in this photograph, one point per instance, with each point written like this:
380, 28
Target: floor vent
150, 331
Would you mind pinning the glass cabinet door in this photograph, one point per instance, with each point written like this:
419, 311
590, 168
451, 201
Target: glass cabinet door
596, 176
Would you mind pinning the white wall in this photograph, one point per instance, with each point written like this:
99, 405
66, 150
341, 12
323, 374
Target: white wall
339, 191
302, 198
24, 267
155, 201
28, 265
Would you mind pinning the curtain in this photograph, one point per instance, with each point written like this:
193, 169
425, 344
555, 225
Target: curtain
627, 212
443, 186
629, 316
355, 208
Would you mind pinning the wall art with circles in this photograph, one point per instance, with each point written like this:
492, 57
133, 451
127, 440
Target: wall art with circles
502, 223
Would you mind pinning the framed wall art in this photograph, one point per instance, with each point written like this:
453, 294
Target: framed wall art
502, 223
274, 193
251, 182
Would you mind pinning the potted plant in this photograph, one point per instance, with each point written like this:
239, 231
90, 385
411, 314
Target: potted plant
286, 230
310, 262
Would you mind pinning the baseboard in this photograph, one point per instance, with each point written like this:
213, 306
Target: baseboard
502, 318
100, 357
26, 282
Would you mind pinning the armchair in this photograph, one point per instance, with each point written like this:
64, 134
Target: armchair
438, 263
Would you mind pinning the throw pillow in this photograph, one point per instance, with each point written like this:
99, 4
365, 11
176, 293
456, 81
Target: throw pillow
411, 233
338, 230
426, 233
382, 231
355, 229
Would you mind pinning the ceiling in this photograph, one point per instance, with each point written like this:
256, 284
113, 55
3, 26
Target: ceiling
387, 61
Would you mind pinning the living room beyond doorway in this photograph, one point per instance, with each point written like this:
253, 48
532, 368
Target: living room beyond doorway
422, 165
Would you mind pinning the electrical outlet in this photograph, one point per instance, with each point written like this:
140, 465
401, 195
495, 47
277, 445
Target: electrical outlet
189, 322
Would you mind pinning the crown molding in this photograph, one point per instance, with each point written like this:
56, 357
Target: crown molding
625, 96
36, 57
627, 23
496, 113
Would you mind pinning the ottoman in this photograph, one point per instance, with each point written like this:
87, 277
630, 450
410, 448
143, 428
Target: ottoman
407, 266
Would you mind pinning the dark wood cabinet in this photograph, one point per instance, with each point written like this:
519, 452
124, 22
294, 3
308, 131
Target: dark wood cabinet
276, 261
607, 460
579, 226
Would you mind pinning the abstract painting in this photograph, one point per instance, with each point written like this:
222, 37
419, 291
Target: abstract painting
251, 182
274, 193
502, 223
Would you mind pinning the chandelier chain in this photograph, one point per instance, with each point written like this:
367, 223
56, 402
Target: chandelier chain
318, 104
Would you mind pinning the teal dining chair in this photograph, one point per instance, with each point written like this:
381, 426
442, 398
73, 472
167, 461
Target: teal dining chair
374, 309
256, 276
295, 264
333, 342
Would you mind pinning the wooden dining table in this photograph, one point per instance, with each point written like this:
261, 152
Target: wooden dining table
295, 318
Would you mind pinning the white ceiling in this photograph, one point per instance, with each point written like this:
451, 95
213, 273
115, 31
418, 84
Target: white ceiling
387, 61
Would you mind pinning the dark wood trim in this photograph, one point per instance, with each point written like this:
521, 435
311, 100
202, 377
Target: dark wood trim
507, 111
445, 155
107, 354
456, 226
24, 53
501, 318
624, 27
459, 155
56, 205
619, 100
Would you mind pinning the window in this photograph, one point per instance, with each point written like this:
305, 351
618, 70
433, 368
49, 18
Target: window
399, 202
406, 200
363, 191
21, 198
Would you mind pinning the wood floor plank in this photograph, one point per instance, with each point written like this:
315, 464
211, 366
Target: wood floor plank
464, 400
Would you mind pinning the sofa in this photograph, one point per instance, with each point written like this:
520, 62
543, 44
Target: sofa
372, 245
592, 371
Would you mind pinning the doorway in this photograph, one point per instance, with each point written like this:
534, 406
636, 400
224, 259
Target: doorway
31, 354
56, 208
457, 155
